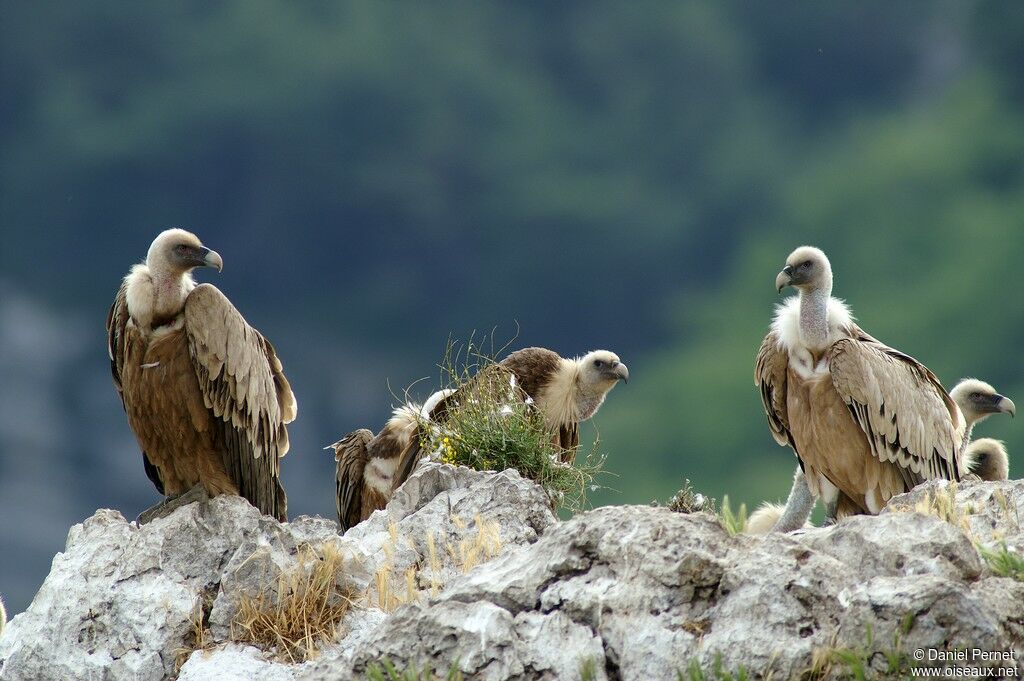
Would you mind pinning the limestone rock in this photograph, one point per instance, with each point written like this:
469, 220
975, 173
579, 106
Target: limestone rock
501, 589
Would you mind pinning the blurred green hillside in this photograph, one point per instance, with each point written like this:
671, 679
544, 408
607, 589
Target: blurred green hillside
381, 176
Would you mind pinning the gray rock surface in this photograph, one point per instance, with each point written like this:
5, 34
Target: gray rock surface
630, 592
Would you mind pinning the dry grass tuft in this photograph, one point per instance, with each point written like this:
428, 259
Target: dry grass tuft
391, 589
302, 613
477, 548
942, 505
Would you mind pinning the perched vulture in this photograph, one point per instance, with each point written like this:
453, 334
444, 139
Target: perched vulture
565, 391
204, 392
977, 401
865, 420
985, 458
366, 463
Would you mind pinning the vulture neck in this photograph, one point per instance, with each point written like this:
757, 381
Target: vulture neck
971, 420
170, 288
814, 326
156, 295
565, 399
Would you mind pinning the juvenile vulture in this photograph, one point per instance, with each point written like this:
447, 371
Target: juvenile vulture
366, 463
565, 391
985, 458
204, 392
864, 419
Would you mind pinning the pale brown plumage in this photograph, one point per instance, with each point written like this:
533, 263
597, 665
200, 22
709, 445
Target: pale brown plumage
987, 458
863, 419
565, 391
355, 500
366, 463
204, 392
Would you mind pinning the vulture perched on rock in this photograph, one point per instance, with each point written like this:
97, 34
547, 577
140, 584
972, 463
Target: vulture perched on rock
204, 392
985, 458
865, 420
366, 463
565, 391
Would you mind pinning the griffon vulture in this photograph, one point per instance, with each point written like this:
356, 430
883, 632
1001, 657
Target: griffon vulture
985, 458
565, 391
864, 419
366, 463
204, 392
977, 401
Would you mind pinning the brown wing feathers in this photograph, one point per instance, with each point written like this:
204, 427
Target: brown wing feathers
351, 456
242, 384
770, 376
902, 408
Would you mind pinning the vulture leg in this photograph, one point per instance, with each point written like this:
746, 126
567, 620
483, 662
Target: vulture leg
831, 513
798, 505
172, 504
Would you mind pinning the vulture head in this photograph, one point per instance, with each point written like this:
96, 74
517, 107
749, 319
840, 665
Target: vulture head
978, 400
600, 370
987, 459
176, 251
807, 269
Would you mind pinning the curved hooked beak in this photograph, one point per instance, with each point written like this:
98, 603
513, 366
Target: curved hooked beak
784, 278
211, 259
622, 371
1005, 405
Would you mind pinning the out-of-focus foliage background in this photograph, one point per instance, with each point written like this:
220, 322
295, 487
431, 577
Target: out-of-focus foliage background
379, 176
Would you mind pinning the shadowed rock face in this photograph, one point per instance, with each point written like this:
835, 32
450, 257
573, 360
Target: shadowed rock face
633, 592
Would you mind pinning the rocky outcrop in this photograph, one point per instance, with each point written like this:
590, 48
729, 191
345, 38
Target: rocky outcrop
123, 601
616, 593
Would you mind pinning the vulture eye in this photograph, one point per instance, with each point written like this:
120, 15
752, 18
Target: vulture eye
181, 248
598, 363
805, 263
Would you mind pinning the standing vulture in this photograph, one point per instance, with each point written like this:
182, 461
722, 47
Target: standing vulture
985, 458
565, 391
366, 463
864, 419
204, 392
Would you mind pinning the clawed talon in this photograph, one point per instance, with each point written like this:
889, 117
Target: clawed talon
172, 504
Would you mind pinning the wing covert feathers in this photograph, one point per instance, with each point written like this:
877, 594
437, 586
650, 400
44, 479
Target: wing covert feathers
908, 417
243, 385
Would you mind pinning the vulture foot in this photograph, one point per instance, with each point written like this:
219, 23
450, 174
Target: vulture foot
172, 504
